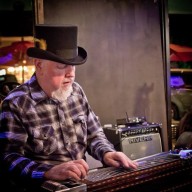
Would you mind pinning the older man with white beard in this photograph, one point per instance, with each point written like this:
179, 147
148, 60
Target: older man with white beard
47, 124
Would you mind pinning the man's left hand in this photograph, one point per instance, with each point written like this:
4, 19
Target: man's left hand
119, 159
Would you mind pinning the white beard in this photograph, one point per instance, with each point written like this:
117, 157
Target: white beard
61, 95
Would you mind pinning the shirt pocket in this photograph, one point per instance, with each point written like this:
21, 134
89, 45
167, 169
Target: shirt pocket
80, 125
43, 140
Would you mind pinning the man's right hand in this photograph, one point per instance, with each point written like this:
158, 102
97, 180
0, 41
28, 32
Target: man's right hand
75, 170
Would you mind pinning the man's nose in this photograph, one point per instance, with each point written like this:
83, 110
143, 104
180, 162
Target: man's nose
70, 69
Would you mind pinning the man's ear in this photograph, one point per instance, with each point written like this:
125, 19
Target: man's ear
37, 63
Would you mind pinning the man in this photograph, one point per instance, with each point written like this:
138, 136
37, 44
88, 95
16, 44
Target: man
47, 124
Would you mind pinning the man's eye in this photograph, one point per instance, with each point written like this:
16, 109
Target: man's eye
61, 66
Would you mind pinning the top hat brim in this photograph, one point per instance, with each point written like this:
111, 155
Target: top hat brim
47, 55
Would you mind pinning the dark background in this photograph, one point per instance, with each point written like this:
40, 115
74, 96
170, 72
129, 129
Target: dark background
16, 18
180, 30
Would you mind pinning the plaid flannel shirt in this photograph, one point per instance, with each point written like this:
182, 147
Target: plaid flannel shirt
37, 132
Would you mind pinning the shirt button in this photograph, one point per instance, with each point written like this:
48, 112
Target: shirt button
67, 143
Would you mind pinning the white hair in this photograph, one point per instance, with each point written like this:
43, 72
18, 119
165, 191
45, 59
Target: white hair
62, 94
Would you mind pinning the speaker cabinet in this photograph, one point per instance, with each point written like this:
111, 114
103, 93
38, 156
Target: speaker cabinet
136, 142
141, 146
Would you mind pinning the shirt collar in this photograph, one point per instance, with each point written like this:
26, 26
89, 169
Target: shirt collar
36, 91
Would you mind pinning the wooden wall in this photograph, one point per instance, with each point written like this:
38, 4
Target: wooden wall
124, 71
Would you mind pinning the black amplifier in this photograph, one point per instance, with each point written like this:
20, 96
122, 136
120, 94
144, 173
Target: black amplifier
136, 141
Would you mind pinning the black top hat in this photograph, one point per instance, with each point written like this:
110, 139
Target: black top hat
57, 43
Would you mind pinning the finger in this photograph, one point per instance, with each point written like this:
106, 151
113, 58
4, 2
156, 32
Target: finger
127, 162
130, 164
83, 163
77, 168
73, 176
114, 163
83, 169
123, 161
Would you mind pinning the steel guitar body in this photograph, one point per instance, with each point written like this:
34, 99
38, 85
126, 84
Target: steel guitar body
164, 171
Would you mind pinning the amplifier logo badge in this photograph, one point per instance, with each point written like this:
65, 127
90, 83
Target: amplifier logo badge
140, 139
